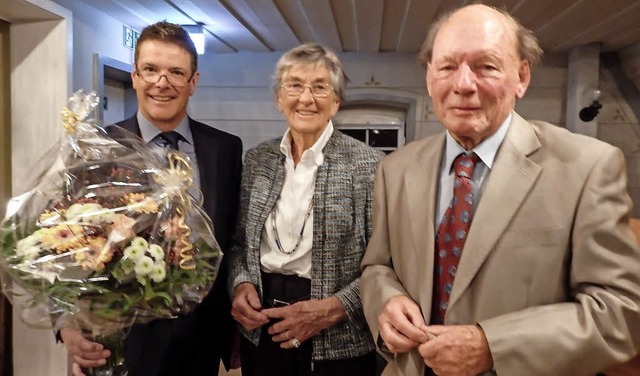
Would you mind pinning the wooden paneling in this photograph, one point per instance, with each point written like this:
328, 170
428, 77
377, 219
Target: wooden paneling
165, 11
344, 13
131, 13
419, 16
374, 25
265, 18
227, 27
609, 29
574, 20
359, 24
321, 23
369, 14
395, 14
294, 15
534, 14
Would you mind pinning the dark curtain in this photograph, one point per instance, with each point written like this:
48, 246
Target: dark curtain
6, 357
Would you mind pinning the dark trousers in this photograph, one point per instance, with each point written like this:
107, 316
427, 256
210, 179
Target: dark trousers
269, 359
174, 347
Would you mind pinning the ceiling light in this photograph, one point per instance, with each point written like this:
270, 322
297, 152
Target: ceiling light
196, 32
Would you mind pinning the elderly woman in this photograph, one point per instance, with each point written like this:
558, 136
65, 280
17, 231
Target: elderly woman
305, 220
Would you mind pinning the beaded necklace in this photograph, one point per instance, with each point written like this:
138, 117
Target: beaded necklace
274, 227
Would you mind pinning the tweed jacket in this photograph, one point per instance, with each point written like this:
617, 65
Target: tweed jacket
341, 230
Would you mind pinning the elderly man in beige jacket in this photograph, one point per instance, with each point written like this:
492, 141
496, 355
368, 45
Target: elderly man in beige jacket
547, 279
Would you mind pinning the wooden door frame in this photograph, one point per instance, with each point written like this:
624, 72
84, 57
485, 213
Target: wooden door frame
6, 323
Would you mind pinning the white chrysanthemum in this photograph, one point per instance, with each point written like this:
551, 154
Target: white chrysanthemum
144, 266
81, 212
31, 253
105, 216
159, 272
26, 243
156, 252
133, 252
140, 242
127, 266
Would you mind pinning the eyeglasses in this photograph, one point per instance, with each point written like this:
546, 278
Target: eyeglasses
318, 90
175, 77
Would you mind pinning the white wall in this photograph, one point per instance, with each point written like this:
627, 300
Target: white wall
618, 125
234, 93
93, 32
40, 69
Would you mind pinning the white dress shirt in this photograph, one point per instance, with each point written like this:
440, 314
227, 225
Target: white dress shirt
149, 132
291, 209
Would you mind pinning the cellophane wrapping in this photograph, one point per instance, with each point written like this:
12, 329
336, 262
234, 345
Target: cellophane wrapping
110, 235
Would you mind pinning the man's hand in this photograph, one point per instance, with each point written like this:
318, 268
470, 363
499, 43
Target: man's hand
246, 307
85, 353
456, 350
304, 319
400, 324
76, 370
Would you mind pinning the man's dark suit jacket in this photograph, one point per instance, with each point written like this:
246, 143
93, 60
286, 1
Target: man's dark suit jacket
192, 345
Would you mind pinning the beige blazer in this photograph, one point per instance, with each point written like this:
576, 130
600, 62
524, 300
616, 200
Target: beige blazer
550, 269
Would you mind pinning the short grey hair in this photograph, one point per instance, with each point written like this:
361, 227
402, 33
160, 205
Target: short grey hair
312, 53
527, 43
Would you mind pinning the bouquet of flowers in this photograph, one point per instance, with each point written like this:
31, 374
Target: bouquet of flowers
110, 236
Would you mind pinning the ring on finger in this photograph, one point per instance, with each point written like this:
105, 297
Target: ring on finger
287, 335
295, 342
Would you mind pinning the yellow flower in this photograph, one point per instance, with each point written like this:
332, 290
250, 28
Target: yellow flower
63, 237
140, 203
95, 255
49, 217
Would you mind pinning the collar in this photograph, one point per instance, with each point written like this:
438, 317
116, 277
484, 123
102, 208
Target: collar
148, 131
315, 151
486, 150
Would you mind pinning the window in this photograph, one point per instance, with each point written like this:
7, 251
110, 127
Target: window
378, 137
379, 127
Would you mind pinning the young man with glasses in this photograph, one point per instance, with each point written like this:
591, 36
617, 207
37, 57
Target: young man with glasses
165, 75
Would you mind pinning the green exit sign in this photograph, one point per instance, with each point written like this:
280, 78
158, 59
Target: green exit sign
130, 37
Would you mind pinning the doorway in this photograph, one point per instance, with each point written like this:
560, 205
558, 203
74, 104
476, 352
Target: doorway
6, 364
112, 82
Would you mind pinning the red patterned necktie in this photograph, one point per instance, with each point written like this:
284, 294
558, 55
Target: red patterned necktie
452, 234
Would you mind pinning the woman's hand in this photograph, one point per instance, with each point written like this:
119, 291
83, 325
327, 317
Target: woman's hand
246, 307
303, 320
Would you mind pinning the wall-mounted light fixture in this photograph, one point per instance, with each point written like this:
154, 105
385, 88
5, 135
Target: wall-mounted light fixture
196, 32
591, 111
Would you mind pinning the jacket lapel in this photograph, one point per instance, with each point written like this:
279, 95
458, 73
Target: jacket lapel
421, 188
511, 178
206, 150
130, 124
